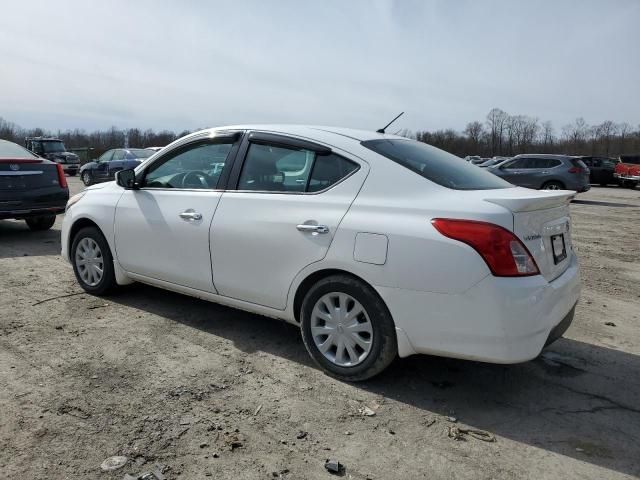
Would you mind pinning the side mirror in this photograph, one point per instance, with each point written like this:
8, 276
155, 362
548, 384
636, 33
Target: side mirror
127, 179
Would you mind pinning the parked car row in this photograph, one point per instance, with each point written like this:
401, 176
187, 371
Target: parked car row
544, 172
105, 167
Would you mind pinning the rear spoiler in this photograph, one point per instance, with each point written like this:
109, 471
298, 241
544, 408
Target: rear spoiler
535, 201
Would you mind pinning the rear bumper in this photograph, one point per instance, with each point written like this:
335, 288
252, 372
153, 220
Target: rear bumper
499, 320
33, 203
20, 214
631, 178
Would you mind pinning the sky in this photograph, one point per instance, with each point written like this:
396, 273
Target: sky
194, 64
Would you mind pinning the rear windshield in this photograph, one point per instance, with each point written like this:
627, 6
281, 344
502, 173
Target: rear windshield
577, 162
13, 150
436, 165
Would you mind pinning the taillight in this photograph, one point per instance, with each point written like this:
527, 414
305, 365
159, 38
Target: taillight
61, 178
503, 252
576, 170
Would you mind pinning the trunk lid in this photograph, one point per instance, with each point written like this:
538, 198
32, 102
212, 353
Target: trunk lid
19, 175
542, 221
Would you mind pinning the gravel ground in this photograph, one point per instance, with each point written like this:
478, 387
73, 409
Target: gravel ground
199, 391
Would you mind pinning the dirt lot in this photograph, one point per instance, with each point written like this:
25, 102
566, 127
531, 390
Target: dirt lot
210, 392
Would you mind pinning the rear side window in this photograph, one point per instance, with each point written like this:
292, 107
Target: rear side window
436, 165
270, 168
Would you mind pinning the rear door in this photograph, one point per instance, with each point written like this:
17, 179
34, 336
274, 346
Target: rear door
515, 171
285, 201
540, 171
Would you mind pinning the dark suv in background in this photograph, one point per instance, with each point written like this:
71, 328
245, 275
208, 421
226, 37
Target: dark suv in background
600, 169
547, 172
53, 149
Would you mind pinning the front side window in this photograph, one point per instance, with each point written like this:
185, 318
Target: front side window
138, 153
436, 165
270, 168
118, 155
196, 166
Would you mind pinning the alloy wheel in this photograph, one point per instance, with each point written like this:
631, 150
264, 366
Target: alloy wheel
341, 329
89, 261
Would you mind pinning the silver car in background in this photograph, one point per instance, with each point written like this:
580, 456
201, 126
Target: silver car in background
544, 172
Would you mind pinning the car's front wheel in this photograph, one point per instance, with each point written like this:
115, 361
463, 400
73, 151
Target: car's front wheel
72, 173
92, 262
87, 179
40, 223
347, 328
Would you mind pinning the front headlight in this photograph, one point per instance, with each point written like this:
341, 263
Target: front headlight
73, 200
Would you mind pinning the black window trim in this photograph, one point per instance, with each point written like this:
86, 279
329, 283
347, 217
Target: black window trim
236, 135
282, 141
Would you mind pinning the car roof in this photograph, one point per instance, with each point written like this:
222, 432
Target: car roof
543, 155
318, 132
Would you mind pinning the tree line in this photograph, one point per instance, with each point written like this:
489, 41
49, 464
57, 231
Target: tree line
499, 134
99, 140
502, 134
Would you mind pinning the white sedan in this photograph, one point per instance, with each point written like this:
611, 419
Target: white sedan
375, 245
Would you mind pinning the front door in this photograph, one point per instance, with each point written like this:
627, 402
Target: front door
162, 229
283, 215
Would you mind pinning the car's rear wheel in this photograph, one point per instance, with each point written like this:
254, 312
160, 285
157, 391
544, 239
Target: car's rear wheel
92, 261
347, 328
44, 222
87, 179
553, 185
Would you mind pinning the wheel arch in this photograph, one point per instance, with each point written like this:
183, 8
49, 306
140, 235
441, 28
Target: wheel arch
78, 225
314, 277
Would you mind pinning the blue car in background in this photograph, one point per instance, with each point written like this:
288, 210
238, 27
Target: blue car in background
104, 168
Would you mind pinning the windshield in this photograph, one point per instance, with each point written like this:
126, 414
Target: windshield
13, 150
436, 165
633, 159
54, 146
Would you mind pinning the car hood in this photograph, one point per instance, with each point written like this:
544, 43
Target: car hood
62, 156
87, 166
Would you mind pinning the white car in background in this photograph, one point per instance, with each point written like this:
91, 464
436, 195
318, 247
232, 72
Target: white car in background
375, 245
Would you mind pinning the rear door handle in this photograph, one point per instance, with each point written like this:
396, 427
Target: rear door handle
313, 228
190, 214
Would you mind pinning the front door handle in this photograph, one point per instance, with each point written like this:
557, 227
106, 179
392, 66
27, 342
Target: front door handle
190, 214
313, 228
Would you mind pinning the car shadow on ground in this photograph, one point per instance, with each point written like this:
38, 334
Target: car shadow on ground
577, 399
16, 240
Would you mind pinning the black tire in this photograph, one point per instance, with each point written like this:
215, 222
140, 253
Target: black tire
40, 223
107, 283
72, 173
87, 178
553, 185
631, 185
384, 347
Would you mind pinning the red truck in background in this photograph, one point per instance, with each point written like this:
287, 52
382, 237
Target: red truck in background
627, 172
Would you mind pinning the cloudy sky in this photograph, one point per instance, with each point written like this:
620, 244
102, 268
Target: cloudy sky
189, 64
